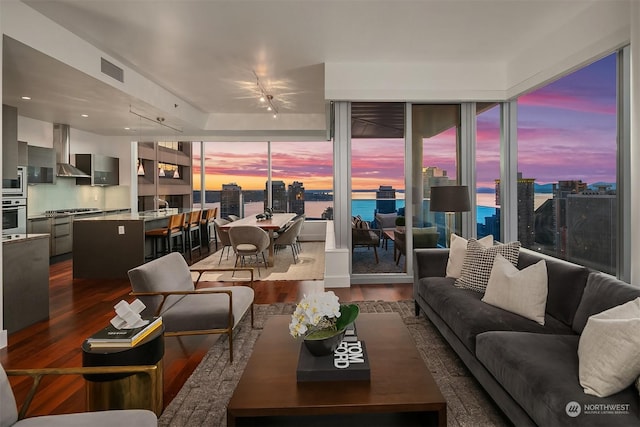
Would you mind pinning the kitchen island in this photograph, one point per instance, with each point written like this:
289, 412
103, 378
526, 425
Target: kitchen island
106, 247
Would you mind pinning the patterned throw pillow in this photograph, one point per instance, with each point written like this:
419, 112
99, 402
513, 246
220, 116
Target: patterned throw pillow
478, 263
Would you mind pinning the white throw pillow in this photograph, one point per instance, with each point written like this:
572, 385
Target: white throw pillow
608, 350
522, 292
457, 252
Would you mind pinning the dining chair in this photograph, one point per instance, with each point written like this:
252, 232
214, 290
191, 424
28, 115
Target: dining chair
10, 416
167, 289
223, 236
167, 234
247, 241
289, 237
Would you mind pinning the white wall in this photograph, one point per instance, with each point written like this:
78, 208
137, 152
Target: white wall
602, 27
596, 32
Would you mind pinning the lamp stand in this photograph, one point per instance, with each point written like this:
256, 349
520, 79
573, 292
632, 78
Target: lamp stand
449, 220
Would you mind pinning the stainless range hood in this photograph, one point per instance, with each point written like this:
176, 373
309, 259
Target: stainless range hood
61, 145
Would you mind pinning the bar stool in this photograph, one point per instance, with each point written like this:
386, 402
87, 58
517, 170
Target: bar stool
192, 229
206, 225
167, 234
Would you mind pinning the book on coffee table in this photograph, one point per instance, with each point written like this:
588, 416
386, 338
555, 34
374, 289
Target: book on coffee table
348, 363
113, 337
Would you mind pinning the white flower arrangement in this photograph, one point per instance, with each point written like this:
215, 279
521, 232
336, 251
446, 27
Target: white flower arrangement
315, 312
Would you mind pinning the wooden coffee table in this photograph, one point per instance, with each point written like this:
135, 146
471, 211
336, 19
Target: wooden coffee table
401, 391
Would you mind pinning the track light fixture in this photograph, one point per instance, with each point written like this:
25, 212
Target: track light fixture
266, 98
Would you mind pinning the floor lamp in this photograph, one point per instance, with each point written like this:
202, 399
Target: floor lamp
449, 199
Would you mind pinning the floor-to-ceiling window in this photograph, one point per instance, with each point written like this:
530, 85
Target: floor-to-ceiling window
237, 176
567, 154
302, 178
487, 169
436, 131
377, 185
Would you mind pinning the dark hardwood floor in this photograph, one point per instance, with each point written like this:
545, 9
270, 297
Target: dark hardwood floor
79, 308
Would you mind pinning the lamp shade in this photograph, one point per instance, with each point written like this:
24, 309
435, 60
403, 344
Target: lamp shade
450, 198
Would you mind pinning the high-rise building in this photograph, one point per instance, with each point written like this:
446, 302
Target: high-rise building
433, 176
386, 199
296, 198
231, 201
278, 196
591, 239
526, 214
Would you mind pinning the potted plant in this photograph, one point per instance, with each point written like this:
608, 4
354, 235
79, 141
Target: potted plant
321, 320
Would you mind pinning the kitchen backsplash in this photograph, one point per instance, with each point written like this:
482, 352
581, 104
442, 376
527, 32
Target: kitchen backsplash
66, 194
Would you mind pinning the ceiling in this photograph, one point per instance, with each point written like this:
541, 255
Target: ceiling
206, 52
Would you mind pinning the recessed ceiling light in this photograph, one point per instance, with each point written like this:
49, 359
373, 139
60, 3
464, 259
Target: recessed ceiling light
84, 115
127, 128
26, 98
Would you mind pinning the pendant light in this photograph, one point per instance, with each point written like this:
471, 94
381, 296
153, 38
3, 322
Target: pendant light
140, 168
176, 174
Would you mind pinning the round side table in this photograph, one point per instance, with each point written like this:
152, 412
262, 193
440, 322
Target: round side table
125, 391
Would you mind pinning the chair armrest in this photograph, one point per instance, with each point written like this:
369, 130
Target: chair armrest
165, 294
37, 373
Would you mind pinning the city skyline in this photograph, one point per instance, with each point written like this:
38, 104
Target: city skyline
566, 131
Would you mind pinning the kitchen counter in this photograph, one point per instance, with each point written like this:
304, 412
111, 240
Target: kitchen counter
162, 214
77, 214
8, 239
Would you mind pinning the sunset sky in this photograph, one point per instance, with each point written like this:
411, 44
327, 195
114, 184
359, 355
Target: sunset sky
566, 130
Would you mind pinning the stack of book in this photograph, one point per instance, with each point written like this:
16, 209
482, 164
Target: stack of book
110, 336
349, 362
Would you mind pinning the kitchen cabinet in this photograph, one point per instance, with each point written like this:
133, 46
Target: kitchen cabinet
25, 278
23, 158
104, 170
41, 166
9, 142
61, 235
61, 230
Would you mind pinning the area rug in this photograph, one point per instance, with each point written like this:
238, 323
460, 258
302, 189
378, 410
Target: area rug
309, 266
202, 400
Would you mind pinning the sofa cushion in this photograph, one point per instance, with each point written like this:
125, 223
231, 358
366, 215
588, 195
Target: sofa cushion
458, 251
609, 348
207, 311
468, 316
386, 220
540, 371
478, 263
593, 301
522, 292
565, 286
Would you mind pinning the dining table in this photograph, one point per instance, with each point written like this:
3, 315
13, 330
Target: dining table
270, 225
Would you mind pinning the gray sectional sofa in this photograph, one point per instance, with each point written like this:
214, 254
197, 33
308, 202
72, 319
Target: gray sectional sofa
530, 370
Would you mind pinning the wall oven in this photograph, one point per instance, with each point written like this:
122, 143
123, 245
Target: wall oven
14, 216
15, 187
